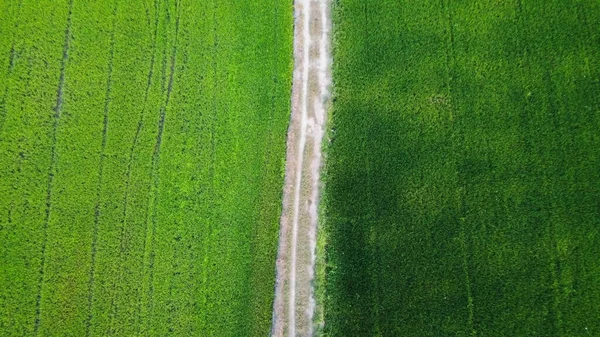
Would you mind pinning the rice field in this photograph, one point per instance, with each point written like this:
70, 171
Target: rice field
462, 184
142, 157
141, 165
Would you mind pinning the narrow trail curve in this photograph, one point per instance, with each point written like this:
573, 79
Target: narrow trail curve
294, 304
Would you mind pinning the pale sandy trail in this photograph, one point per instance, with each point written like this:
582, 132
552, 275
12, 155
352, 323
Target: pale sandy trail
299, 164
294, 305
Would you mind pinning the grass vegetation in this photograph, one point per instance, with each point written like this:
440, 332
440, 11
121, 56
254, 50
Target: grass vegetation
141, 149
462, 182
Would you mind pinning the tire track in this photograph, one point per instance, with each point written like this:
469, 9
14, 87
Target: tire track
107, 99
12, 55
11, 67
58, 109
138, 131
122, 245
152, 204
172, 307
3, 110
294, 304
156, 158
143, 110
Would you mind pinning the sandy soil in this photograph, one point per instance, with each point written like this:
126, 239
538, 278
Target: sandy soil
294, 305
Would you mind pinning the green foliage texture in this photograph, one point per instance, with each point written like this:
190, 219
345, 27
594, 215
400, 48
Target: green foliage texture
462, 192
141, 148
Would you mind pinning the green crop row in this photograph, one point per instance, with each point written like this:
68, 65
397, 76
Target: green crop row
462, 180
141, 145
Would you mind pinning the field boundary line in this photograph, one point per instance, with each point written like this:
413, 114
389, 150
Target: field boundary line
11, 66
11, 60
138, 131
167, 101
98, 205
156, 162
52, 168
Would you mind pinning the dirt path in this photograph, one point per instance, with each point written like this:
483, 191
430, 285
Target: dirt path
294, 291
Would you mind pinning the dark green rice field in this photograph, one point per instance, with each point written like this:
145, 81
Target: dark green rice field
463, 175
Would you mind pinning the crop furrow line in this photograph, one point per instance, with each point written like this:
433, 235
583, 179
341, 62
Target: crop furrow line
11, 62
450, 64
171, 307
173, 55
153, 220
582, 15
52, 168
211, 169
97, 207
450, 51
267, 154
136, 139
156, 157
165, 37
215, 86
3, 110
9, 219
553, 111
151, 206
465, 266
282, 234
525, 73
275, 83
555, 272
155, 183
4, 230
11, 66
273, 90
15, 188
11, 58
520, 19
169, 90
